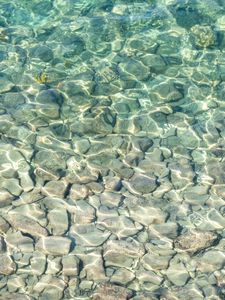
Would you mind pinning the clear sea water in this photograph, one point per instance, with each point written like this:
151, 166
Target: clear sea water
112, 136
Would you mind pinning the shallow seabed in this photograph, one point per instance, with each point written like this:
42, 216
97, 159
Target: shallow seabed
112, 144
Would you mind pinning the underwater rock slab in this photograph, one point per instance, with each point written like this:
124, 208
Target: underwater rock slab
58, 221
122, 253
141, 184
195, 240
7, 265
27, 225
54, 245
111, 292
89, 235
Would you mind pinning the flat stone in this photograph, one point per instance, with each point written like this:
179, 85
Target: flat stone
4, 226
140, 184
38, 263
177, 274
195, 240
110, 199
141, 211
121, 226
50, 165
79, 191
18, 242
93, 264
122, 253
2, 245
164, 91
54, 245
7, 265
5, 197
51, 288
5, 83
70, 265
156, 262
27, 225
54, 265
133, 68
54, 188
14, 283
49, 96
112, 292
148, 276
58, 221
89, 235
15, 296
42, 52
85, 213
210, 261
122, 276
169, 230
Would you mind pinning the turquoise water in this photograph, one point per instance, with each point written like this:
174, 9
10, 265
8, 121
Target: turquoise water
112, 149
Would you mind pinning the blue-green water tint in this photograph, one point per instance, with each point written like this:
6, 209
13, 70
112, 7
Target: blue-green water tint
112, 149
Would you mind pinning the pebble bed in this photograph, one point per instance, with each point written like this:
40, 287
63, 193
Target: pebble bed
112, 146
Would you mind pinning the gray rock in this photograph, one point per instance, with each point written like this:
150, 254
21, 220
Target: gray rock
154, 261
121, 226
12, 185
13, 100
58, 221
164, 91
169, 230
15, 296
5, 197
122, 253
38, 263
132, 68
49, 96
54, 188
42, 52
4, 226
54, 245
89, 235
2, 245
70, 265
143, 212
50, 165
141, 184
78, 191
110, 199
122, 276
112, 292
27, 225
18, 242
93, 264
148, 277
7, 265
177, 274
210, 261
85, 213
195, 240
50, 288
5, 83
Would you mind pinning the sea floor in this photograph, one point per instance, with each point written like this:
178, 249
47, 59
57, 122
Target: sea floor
112, 149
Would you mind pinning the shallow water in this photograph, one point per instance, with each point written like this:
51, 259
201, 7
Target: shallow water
112, 149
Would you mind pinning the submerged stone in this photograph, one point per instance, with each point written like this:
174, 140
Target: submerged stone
54, 245
42, 52
27, 225
7, 265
